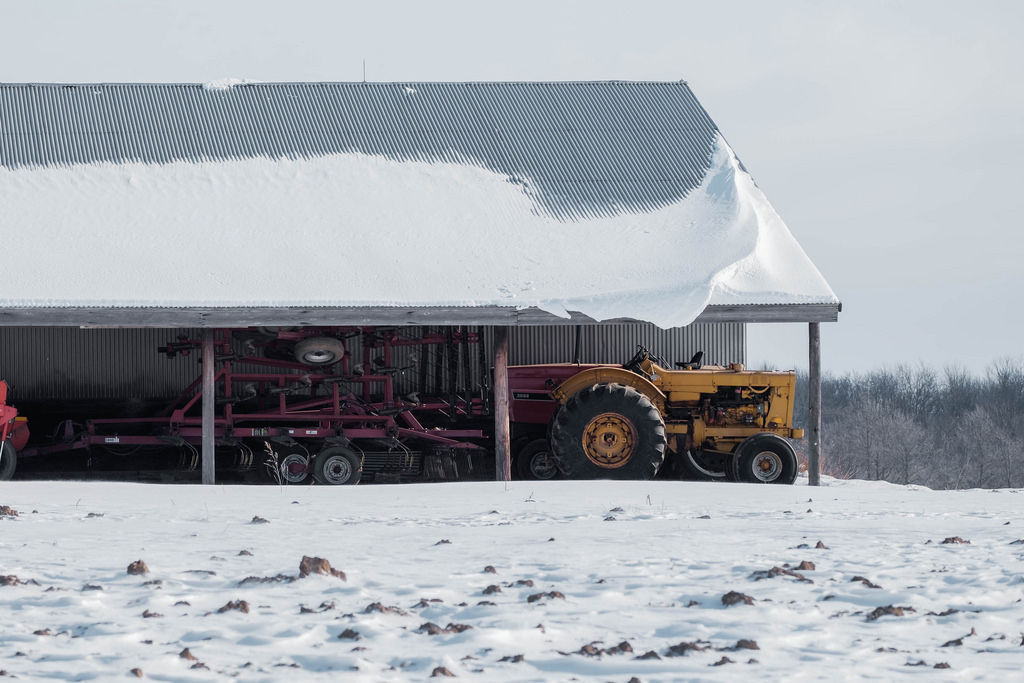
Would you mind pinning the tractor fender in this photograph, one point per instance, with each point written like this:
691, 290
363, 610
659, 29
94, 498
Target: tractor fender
609, 375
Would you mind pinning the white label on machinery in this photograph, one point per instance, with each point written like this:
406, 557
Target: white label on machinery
111, 439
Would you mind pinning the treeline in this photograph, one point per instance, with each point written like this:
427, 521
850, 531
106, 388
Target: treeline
915, 425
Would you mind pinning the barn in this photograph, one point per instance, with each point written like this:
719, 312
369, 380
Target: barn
540, 221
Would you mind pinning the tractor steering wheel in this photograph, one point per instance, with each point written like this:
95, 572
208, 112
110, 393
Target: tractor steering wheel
633, 364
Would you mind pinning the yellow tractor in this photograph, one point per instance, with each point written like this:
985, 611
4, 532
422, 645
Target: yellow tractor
712, 422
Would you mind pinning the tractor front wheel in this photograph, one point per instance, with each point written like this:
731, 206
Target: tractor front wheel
765, 459
608, 431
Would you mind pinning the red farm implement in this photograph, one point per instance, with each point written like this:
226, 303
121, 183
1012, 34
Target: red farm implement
13, 435
337, 404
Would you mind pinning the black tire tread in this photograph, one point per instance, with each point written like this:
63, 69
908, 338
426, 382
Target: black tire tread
8, 462
739, 469
571, 419
527, 453
353, 459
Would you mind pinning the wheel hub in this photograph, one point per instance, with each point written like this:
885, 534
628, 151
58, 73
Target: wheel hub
543, 466
767, 466
338, 470
294, 468
609, 440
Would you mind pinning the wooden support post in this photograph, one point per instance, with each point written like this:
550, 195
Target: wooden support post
502, 429
814, 406
209, 404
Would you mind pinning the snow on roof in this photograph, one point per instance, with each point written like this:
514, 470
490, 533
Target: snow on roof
471, 216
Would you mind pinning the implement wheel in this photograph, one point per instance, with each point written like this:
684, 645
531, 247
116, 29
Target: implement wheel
294, 468
336, 466
765, 459
536, 461
8, 460
608, 431
319, 351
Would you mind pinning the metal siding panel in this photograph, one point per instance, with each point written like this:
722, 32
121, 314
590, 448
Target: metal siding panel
722, 344
73, 363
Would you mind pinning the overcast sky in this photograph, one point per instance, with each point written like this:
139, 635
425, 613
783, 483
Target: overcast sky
888, 135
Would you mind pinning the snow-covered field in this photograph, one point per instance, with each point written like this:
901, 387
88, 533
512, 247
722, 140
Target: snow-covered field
527, 581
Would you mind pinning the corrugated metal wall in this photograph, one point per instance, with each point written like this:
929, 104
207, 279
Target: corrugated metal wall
72, 363
721, 343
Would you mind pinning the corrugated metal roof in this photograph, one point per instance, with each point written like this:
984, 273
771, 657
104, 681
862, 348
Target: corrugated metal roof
579, 148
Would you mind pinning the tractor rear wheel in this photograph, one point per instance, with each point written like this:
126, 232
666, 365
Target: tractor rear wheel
765, 459
8, 461
337, 465
608, 431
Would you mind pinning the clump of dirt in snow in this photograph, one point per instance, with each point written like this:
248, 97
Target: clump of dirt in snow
235, 605
779, 571
734, 598
888, 610
684, 648
385, 609
865, 581
424, 602
550, 594
955, 540
432, 629
8, 511
440, 672
592, 649
318, 565
280, 578
324, 607
958, 642
138, 568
